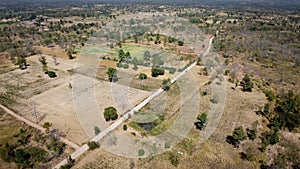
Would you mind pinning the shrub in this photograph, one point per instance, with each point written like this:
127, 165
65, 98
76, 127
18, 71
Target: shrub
143, 76
172, 70
125, 127
247, 84
174, 159
226, 72
269, 94
110, 113
202, 120
287, 109
239, 134
119, 65
96, 130
141, 152
252, 134
167, 144
155, 72
180, 43
93, 145
269, 138
52, 74
125, 66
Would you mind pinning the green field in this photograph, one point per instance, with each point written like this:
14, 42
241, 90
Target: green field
94, 51
135, 51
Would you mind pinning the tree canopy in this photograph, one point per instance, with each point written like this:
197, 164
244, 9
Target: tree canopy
201, 121
247, 84
110, 113
112, 74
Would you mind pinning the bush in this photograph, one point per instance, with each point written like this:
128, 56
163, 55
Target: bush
143, 76
93, 145
125, 66
119, 65
125, 127
252, 134
269, 138
96, 130
167, 144
52, 74
172, 70
247, 84
180, 43
239, 134
155, 72
174, 159
112, 74
110, 113
141, 152
269, 94
287, 109
226, 72
202, 120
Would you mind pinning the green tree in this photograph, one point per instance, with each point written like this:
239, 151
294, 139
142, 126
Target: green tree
155, 72
239, 134
96, 130
287, 110
69, 53
180, 43
93, 145
22, 158
269, 138
247, 84
110, 113
201, 121
141, 152
7, 152
226, 72
174, 159
122, 56
43, 61
166, 84
47, 126
112, 74
125, 127
147, 57
251, 133
38, 155
22, 62
142, 76
51, 74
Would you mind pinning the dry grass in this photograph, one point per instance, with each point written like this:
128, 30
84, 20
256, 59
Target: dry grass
53, 52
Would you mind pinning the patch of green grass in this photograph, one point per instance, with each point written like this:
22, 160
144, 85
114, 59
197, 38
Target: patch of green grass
135, 51
135, 126
162, 125
94, 51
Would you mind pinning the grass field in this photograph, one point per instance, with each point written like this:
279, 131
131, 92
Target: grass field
94, 51
135, 51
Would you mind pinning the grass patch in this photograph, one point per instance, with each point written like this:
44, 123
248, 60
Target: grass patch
135, 126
